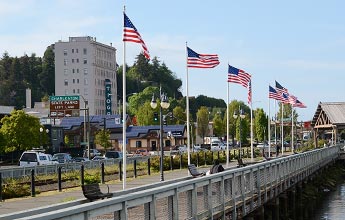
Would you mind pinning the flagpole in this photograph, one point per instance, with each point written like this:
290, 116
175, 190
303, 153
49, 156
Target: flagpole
275, 122
227, 127
251, 122
269, 129
187, 107
124, 122
292, 145
282, 128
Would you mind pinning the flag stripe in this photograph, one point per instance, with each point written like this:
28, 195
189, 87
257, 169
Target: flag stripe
238, 76
196, 60
273, 94
131, 34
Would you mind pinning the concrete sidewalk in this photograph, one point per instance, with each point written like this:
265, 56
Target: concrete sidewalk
73, 194
54, 197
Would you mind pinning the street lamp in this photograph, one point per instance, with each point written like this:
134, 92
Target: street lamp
164, 104
41, 131
86, 129
242, 116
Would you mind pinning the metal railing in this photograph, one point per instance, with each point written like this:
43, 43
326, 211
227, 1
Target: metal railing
229, 194
17, 172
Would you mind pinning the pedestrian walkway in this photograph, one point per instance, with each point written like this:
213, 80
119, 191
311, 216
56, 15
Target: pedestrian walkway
55, 197
67, 195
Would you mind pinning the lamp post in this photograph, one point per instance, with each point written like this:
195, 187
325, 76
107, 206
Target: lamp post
164, 103
241, 116
41, 131
86, 128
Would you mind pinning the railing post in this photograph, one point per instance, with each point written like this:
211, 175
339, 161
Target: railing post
135, 168
218, 155
212, 156
102, 173
148, 166
82, 174
205, 157
171, 162
120, 170
59, 179
0, 187
33, 193
197, 159
181, 161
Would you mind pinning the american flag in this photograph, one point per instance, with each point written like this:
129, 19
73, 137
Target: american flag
285, 98
292, 100
273, 94
196, 60
299, 104
250, 92
238, 76
280, 89
131, 34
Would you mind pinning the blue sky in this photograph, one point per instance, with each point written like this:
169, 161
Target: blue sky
301, 44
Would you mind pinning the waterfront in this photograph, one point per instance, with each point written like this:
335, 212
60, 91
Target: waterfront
333, 205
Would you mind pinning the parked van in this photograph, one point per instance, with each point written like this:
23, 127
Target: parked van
33, 158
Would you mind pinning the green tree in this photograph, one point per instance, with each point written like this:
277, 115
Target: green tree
48, 72
218, 126
260, 124
21, 131
102, 138
203, 122
145, 114
179, 116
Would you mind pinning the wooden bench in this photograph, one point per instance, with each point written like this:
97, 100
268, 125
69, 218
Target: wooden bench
240, 163
194, 172
93, 192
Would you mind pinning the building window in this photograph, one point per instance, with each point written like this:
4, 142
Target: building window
66, 82
65, 71
73, 91
66, 91
167, 143
77, 60
85, 61
85, 71
138, 144
77, 91
72, 50
77, 81
76, 50
86, 92
85, 51
65, 62
73, 70
86, 81
77, 70
65, 52
73, 82
72, 60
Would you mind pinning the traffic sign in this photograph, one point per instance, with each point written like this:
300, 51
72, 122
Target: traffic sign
61, 106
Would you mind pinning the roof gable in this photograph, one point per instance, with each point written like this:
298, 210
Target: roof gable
328, 114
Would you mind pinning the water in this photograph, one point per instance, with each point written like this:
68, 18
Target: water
333, 205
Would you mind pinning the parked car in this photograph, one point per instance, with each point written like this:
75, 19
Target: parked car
34, 157
113, 154
215, 147
62, 157
93, 153
98, 158
81, 159
143, 152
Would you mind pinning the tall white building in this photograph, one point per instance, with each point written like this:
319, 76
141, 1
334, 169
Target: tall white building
82, 65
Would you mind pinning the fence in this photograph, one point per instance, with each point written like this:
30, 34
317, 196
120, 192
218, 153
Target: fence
228, 195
